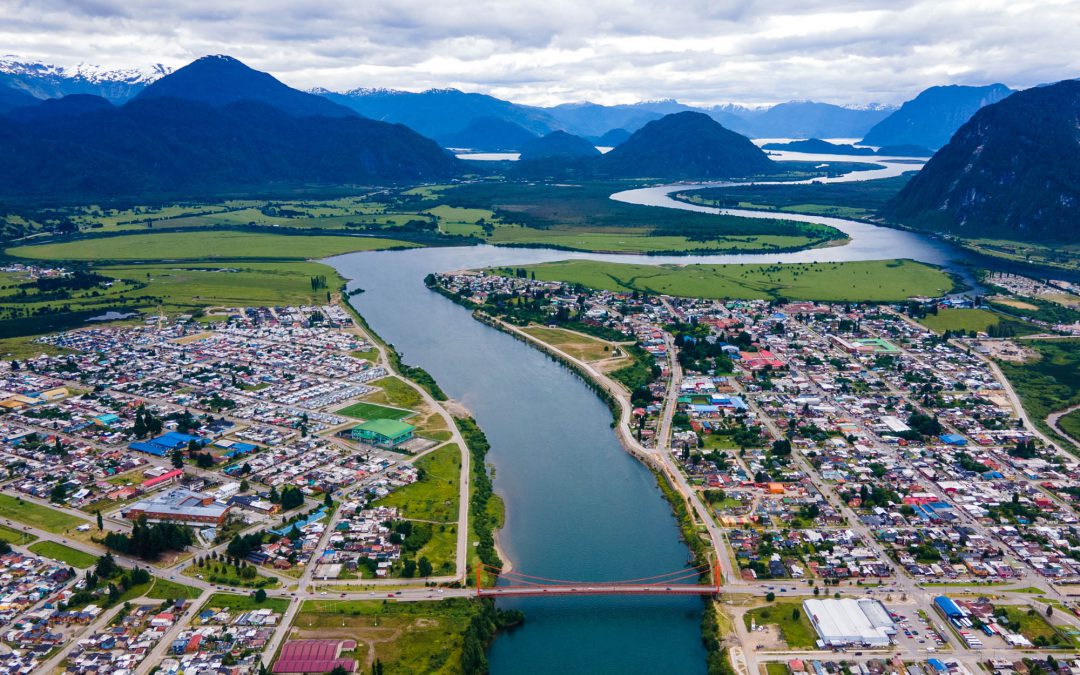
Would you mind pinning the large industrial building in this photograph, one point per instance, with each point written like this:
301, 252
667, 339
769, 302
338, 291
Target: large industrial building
850, 622
179, 505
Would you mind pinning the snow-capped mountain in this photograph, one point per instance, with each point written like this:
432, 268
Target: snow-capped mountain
42, 80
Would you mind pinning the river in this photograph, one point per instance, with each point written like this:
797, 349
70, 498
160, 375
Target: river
578, 507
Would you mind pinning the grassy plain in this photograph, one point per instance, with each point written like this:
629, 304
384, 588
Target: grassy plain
435, 496
796, 629
861, 199
244, 603
163, 589
878, 280
406, 637
214, 245
66, 554
13, 536
395, 392
42, 517
579, 346
977, 320
1070, 423
1050, 383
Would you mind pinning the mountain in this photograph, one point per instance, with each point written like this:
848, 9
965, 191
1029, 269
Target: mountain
932, 117
46, 81
612, 137
558, 144
819, 147
489, 134
220, 80
439, 112
1012, 171
11, 98
159, 146
591, 119
807, 119
685, 145
72, 105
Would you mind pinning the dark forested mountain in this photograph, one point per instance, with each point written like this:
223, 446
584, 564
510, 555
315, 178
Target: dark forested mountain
1012, 171
489, 134
932, 117
42, 81
612, 137
72, 105
558, 144
819, 147
685, 145
808, 119
13, 98
167, 146
439, 112
220, 80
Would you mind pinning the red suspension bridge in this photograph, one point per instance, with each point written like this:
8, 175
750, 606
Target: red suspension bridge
685, 581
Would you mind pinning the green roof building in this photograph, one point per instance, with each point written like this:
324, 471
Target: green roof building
387, 433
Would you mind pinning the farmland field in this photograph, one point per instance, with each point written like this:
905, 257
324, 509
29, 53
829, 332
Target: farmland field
214, 245
869, 281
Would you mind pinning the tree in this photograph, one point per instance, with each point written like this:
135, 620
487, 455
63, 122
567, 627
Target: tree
328, 500
424, 567
770, 596
795, 614
1049, 610
106, 566
100, 524
259, 596
244, 485
177, 458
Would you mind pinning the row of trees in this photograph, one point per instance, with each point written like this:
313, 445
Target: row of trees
149, 542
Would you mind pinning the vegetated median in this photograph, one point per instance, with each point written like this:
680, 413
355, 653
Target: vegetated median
858, 281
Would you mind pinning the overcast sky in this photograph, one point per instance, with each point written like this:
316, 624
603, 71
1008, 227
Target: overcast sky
552, 51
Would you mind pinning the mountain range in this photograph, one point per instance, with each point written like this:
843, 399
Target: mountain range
41, 80
1011, 172
931, 118
213, 127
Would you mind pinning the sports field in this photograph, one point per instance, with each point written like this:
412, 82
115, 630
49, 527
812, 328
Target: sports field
370, 411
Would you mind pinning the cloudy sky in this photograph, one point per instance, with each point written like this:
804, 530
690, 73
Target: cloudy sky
552, 51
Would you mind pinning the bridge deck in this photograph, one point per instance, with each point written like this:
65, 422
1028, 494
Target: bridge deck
680, 589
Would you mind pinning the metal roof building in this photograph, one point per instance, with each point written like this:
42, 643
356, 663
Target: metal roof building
850, 621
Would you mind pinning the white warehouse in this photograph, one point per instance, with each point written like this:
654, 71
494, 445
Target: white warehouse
850, 622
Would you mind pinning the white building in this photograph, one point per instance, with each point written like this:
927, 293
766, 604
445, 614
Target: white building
850, 622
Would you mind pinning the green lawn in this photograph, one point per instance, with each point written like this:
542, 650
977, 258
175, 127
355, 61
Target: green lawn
435, 496
430, 633
13, 536
370, 411
163, 589
41, 517
1033, 625
220, 573
66, 554
879, 280
212, 245
245, 603
1070, 423
798, 633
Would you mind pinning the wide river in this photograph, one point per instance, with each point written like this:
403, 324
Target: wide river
578, 507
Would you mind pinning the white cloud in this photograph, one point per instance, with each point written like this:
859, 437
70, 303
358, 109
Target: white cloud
551, 51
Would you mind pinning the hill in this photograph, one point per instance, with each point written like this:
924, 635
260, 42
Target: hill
72, 105
439, 112
611, 138
165, 146
685, 145
819, 147
489, 134
558, 144
13, 98
220, 80
1012, 171
931, 118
